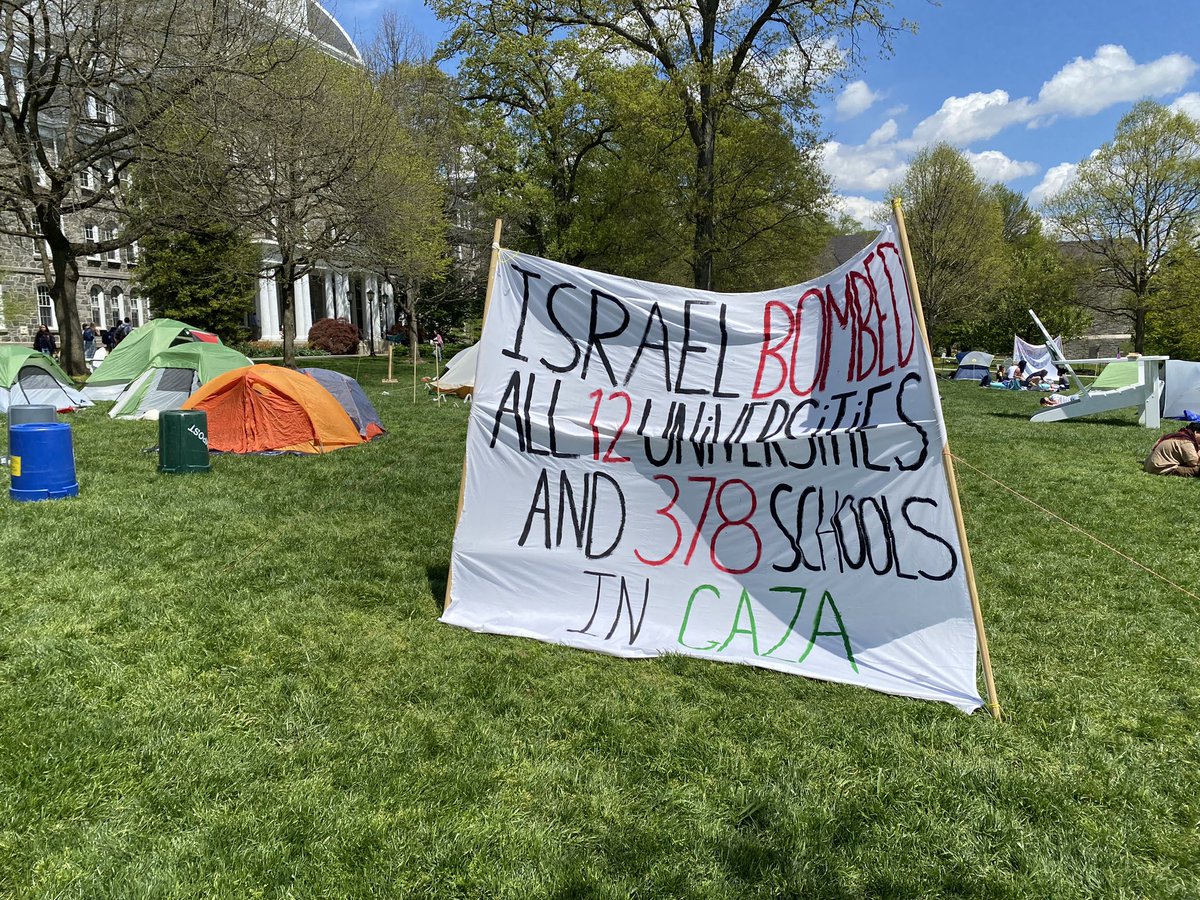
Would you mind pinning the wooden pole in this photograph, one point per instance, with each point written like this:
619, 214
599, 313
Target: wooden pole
391, 352
487, 302
993, 704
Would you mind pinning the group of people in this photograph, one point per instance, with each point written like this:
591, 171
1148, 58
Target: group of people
1017, 377
97, 342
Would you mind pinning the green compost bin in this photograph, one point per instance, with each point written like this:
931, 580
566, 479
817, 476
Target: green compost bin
183, 441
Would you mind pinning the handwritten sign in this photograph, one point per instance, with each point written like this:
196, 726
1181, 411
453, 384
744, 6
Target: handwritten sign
752, 478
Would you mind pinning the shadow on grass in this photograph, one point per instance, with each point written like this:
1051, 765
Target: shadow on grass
1025, 416
437, 577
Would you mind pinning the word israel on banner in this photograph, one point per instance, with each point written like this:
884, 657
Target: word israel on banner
754, 478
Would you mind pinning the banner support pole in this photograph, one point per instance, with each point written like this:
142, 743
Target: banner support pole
993, 704
487, 302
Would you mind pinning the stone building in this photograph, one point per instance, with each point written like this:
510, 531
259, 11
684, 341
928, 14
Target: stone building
106, 294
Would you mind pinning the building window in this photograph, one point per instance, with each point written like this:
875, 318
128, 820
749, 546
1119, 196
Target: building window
87, 179
114, 255
45, 307
98, 306
91, 107
116, 298
131, 253
92, 233
135, 311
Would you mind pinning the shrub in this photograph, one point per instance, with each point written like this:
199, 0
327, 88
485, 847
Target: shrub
273, 349
334, 336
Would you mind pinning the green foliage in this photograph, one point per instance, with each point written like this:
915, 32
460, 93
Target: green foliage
205, 276
1173, 325
266, 705
727, 184
1131, 204
956, 232
1038, 276
335, 336
273, 350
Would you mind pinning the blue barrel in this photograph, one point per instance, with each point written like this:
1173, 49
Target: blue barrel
42, 461
19, 414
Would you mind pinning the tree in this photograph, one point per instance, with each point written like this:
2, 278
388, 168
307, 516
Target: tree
84, 83
407, 242
1131, 204
305, 148
713, 57
1173, 325
204, 275
956, 233
1038, 276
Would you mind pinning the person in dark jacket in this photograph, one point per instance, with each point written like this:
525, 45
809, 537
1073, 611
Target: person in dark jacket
43, 341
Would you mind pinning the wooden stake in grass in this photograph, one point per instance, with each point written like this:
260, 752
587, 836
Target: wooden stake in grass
487, 302
391, 353
993, 704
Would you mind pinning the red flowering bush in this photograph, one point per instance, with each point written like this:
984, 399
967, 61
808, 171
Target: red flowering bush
334, 335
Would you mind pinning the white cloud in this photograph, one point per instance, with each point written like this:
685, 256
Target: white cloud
870, 213
1083, 87
1086, 86
863, 168
1189, 104
884, 133
855, 100
994, 166
898, 110
1055, 179
975, 117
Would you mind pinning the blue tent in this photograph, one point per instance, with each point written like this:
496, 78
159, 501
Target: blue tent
350, 395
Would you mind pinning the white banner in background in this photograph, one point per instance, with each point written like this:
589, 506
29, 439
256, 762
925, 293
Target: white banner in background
751, 478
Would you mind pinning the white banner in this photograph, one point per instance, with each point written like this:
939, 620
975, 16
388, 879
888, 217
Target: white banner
751, 478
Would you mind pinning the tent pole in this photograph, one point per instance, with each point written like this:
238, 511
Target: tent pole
487, 302
993, 704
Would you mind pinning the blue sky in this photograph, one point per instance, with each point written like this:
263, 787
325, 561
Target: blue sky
1027, 89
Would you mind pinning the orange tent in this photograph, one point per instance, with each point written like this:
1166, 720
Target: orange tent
269, 408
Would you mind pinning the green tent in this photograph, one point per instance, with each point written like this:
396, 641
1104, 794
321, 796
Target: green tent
31, 378
132, 356
172, 376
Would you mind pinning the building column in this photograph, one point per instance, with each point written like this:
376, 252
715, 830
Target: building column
342, 280
268, 310
303, 308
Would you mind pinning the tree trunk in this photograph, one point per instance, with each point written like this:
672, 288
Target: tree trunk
706, 197
1139, 329
410, 310
286, 286
63, 290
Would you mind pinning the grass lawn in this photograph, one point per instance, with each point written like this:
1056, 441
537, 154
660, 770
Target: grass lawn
234, 685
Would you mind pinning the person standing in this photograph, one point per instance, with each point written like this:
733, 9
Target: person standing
89, 341
43, 341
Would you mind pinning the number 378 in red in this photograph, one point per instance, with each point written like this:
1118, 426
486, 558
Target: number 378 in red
735, 503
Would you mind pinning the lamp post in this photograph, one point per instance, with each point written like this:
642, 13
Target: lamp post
371, 318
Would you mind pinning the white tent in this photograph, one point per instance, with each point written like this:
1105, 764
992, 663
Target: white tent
1038, 356
459, 377
1182, 390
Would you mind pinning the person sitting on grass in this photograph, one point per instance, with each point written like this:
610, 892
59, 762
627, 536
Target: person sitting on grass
1177, 453
1016, 375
